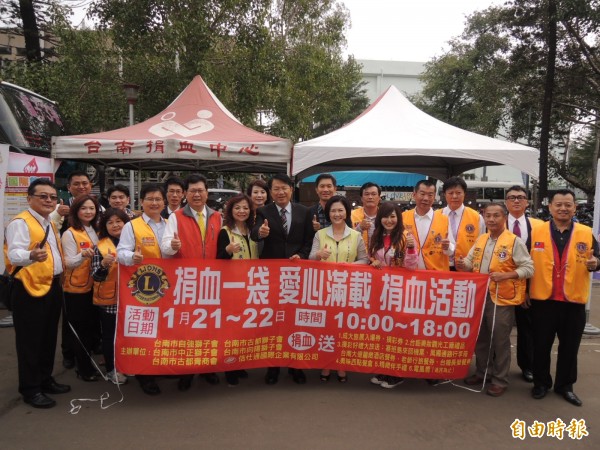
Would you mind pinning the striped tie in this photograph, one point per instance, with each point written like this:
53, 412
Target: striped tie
284, 221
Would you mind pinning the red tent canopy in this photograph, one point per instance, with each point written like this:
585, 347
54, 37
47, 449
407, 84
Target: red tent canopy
195, 132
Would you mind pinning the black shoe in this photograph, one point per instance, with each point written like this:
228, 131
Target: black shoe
211, 378
242, 374
88, 378
539, 392
232, 378
272, 376
432, 381
528, 375
39, 400
150, 387
52, 387
570, 397
68, 363
185, 383
297, 375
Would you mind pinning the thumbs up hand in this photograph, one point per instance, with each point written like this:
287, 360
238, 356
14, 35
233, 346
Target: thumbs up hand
315, 223
108, 260
410, 241
38, 254
264, 229
325, 253
176, 242
137, 256
63, 210
592, 262
233, 246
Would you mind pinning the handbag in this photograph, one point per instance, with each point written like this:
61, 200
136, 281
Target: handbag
7, 282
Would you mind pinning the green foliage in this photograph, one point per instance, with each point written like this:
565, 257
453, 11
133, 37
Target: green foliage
491, 81
279, 57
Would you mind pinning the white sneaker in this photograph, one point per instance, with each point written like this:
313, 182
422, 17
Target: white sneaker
392, 382
378, 379
116, 377
7, 322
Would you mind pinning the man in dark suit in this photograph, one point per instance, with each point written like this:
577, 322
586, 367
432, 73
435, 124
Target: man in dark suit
175, 189
518, 223
286, 230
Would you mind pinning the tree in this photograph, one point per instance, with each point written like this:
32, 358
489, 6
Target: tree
492, 80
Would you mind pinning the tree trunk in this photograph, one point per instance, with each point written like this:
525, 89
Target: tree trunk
31, 32
547, 105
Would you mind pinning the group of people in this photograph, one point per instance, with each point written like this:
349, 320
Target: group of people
64, 256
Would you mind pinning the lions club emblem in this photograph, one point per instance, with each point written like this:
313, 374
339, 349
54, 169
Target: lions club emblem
148, 284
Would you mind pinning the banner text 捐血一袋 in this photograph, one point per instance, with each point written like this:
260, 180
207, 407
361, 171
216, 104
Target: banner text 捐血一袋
179, 316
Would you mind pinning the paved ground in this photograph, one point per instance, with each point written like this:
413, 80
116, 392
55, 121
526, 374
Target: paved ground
287, 416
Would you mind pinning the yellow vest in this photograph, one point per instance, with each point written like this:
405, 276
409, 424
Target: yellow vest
79, 279
432, 252
145, 239
247, 252
105, 291
344, 251
468, 232
507, 292
36, 277
576, 286
356, 217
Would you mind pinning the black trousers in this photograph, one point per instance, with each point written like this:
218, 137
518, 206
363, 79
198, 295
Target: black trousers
36, 330
109, 326
524, 320
566, 321
83, 316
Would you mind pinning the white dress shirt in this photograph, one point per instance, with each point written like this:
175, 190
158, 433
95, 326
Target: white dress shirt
459, 213
19, 240
126, 247
73, 257
522, 226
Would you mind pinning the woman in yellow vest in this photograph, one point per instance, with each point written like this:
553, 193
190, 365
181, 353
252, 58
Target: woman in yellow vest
338, 243
234, 243
78, 244
104, 273
391, 246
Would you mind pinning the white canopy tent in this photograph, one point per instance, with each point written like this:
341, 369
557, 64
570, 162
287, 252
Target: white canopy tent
393, 134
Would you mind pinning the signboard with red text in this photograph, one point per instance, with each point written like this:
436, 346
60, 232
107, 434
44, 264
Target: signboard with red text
180, 316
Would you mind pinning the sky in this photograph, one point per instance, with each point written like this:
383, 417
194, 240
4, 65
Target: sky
407, 30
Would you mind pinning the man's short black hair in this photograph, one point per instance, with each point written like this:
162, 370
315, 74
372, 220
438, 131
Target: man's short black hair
561, 192
195, 178
281, 177
325, 176
118, 188
39, 182
171, 181
152, 187
518, 188
427, 183
367, 185
454, 182
77, 173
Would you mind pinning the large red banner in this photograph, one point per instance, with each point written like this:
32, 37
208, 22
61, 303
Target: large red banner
179, 316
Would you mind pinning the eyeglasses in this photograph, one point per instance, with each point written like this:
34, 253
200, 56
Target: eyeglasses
153, 200
45, 197
513, 198
196, 191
